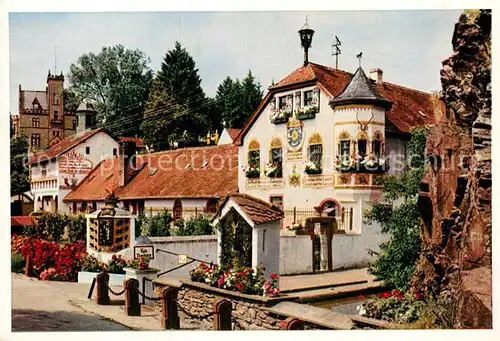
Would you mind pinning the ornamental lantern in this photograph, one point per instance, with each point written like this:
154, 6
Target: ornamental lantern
306, 34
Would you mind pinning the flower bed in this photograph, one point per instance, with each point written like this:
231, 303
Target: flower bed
244, 280
394, 307
50, 261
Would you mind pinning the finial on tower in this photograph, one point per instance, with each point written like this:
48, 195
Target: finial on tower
306, 34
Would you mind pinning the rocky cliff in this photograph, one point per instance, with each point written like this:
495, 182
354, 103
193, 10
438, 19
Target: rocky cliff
455, 197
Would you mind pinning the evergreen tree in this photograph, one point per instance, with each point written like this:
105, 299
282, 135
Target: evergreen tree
163, 118
180, 77
19, 172
237, 101
251, 95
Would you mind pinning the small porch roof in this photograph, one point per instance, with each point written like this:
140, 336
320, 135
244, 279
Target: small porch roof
255, 211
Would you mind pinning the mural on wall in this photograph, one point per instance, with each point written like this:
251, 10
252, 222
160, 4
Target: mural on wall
73, 167
295, 138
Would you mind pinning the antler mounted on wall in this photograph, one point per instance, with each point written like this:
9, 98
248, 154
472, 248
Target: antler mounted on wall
364, 126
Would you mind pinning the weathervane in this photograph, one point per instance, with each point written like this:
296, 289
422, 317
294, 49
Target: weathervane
359, 56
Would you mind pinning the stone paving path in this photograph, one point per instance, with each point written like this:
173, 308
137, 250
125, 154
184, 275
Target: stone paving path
45, 306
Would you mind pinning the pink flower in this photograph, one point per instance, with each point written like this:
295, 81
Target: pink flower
417, 296
267, 285
220, 282
361, 296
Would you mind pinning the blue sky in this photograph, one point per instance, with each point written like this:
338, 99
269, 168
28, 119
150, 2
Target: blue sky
407, 45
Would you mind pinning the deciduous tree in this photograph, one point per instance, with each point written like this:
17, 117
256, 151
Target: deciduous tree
19, 172
118, 80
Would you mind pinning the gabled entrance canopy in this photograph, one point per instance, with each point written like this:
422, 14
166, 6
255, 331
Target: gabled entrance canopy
248, 228
253, 210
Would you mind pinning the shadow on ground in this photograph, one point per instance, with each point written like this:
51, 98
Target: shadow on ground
28, 320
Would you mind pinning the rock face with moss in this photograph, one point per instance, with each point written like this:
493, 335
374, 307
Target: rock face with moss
455, 194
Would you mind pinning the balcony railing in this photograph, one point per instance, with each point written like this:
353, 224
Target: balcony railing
356, 180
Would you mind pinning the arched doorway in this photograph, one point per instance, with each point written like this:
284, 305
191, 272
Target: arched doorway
177, 209
329, 208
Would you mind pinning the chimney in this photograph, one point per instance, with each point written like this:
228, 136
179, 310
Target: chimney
127, 162
376, 75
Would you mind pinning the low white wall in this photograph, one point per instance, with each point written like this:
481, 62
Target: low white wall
350, 251
296, 254
199, 247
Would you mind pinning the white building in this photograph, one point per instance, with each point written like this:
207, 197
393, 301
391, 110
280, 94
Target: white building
59, 169
317, 117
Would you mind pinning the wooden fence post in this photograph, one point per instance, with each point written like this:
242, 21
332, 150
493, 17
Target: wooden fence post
292, 323
28, 266
222, 314
102, 288
169, 313
132, 306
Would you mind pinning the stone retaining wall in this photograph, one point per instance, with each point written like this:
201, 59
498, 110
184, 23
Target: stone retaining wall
195, 306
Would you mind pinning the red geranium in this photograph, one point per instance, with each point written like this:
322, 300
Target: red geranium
273, 276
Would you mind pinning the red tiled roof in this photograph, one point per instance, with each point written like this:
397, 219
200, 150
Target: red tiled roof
93, 186
409, 107
138, 141
256, 209
21, 221
63, 146
201, 172
233, 133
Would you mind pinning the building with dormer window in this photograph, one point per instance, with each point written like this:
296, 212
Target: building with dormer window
321, 137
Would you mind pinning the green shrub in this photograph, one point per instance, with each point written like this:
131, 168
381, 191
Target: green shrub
50, 226
77, 228
157, 225
17, 263
195, 226
395, 262
139, 222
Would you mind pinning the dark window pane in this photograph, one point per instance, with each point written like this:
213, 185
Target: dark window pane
362, 147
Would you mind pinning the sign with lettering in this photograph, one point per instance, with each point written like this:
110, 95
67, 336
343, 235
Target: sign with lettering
144, 250
74, 163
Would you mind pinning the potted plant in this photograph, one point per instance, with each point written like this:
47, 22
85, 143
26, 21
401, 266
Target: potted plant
139, 269
312, 168
91, 266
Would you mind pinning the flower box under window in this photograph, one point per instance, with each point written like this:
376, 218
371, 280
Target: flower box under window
307, 113
280, 116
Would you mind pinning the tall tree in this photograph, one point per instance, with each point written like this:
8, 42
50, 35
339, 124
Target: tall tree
118, 80
236, 101
19, 172
180, 77
251, 95
163, 118
71, 101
